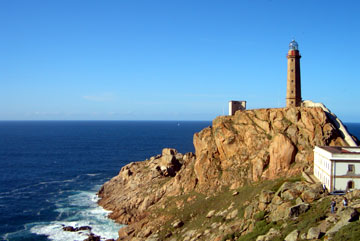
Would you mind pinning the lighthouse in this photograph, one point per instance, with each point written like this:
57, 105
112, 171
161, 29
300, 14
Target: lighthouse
293, 91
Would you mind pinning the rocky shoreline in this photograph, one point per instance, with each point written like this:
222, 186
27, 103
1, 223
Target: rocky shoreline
173, 196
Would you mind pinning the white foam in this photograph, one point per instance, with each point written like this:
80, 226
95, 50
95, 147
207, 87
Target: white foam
79, 210
92, 174
55, 232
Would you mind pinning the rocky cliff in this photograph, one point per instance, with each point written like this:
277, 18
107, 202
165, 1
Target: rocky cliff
236, 151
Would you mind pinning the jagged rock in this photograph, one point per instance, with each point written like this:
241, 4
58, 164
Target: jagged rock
296, 210
282, 154
313, 233
125, 231
69, 229
293, 236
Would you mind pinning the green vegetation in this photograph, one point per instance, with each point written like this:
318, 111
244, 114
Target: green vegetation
281, 181
350, 232
193, 207
261, 228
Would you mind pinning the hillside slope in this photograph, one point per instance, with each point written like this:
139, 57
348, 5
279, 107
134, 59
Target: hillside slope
246, 150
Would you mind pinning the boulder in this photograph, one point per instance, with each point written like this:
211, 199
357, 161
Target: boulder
93, 237
310, 195
266, 196
289, 195
293, 236
282, 154
296, 210
281, 212
177, 224
313, 233
210, 213
69, 229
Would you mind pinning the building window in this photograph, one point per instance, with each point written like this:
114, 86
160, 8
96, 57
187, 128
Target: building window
351, 168
350, 185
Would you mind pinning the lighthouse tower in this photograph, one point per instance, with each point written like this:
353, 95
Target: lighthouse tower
293, 91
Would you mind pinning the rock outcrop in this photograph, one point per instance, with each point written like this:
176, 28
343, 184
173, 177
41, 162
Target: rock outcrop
260, 144
248, 147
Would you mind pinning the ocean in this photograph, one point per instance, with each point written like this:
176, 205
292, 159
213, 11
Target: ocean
50, 171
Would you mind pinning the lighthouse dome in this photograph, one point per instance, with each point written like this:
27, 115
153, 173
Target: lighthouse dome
293, 45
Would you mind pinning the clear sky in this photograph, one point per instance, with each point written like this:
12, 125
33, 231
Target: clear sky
172, 60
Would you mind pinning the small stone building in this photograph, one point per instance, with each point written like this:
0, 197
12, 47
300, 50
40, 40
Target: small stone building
337, 167
235, 106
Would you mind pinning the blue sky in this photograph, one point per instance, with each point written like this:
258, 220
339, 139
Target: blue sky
172, 60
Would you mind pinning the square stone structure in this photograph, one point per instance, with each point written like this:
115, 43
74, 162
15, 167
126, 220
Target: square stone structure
235, 105
337, 167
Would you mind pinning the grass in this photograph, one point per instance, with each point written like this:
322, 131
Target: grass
350, 232
261, 228
193, 213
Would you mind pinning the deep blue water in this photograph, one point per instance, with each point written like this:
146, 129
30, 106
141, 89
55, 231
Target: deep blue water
51, 170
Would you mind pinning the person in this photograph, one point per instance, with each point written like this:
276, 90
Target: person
345, 202
333, 204
324, 187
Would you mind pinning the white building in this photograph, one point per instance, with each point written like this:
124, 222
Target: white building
337, 167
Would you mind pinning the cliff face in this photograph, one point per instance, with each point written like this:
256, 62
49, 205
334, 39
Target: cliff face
250, 146
260, 144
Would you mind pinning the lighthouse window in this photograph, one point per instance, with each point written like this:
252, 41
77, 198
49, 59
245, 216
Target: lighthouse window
292, 60
292, 92
292, 81
292, 70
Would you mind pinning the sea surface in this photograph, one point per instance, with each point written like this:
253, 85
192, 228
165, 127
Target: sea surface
50, 171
